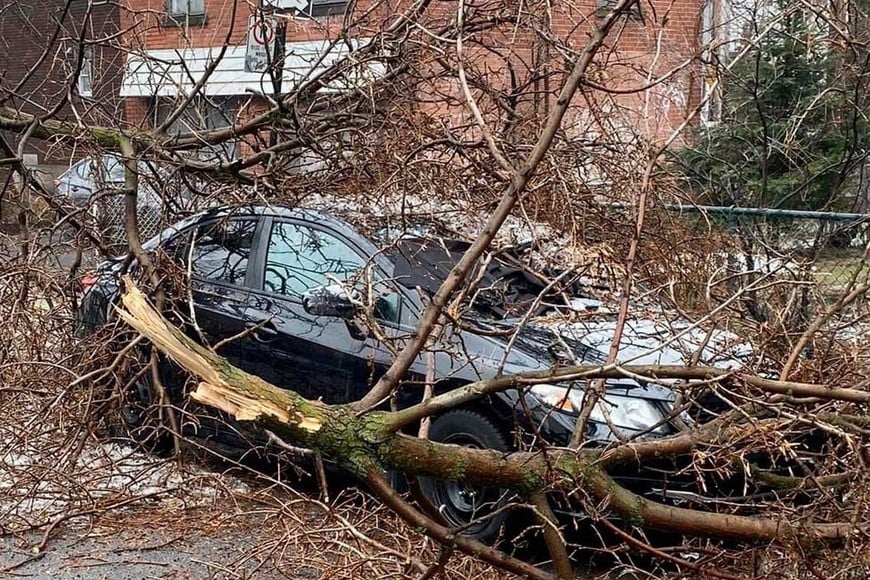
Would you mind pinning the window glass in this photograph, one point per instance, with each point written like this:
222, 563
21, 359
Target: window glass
86, 76
300, 258
387, 303
185, 6
202, 114
605, 6
327, 7
83, 168
221, 250
114, 168
176, 248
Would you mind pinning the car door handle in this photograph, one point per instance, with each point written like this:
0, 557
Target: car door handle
262, 331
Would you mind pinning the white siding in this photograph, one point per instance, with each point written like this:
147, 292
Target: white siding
169, 72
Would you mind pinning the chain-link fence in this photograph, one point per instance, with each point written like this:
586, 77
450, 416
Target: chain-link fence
109, 216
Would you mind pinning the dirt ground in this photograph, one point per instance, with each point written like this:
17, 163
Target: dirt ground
263, 534
239, 540
185, 521
134, 553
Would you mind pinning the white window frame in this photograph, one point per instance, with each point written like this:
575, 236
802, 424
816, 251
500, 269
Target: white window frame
185, 7
319, 8
85, 81
310, 8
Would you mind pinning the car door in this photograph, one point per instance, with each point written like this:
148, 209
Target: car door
316, 356
218, 255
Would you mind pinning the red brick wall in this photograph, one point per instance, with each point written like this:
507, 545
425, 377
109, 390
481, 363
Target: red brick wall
146, 19
640, 52
636, 52
136, 113
27, 41
149, 28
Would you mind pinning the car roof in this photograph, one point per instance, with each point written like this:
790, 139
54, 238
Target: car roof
416, 262
263, 210
282, 211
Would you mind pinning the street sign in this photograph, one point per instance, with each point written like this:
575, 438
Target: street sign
260, 51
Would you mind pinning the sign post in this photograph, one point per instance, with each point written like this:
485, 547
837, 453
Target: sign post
265, 49
260, 53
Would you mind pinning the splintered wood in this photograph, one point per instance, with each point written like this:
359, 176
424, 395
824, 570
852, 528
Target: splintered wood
243, 396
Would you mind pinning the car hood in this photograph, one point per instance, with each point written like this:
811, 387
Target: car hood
644, 342
661, 342
541, 345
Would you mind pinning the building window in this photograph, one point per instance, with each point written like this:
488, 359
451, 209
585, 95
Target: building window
633, 13
185, 12
713, 42
326, 8
202, 114
86, 76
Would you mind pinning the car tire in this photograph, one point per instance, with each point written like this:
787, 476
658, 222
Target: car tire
456, 502
141, 418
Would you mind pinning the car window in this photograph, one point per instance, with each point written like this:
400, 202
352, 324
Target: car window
114, 168
300, 258
83, 168
177, 247
221, 250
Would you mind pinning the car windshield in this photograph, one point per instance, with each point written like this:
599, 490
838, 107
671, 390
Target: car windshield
114, 168
505, 290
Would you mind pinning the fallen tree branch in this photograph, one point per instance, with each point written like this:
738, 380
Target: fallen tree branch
654, 373
365, 445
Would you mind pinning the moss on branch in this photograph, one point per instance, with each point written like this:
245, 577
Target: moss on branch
106, 137
361, 443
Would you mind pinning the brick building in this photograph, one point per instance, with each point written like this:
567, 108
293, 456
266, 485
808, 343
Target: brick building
60, 59
170, 43
173, 42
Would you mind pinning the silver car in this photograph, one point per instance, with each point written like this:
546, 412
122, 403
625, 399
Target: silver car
101, 174
97, 183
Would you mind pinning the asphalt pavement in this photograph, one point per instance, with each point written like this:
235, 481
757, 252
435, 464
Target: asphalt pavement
135, 554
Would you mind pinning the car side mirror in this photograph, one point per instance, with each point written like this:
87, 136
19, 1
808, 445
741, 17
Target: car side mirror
332, 300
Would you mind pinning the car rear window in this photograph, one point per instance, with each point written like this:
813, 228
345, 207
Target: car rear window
83, 168
114, 169
222, 249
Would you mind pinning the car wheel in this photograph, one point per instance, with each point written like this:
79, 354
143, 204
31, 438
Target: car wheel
142, 418
461, 504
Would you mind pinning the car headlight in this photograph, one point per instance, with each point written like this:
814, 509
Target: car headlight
630, 416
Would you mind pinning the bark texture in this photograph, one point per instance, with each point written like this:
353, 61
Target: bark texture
367, 443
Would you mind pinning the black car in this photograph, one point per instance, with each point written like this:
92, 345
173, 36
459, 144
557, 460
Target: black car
298, 282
